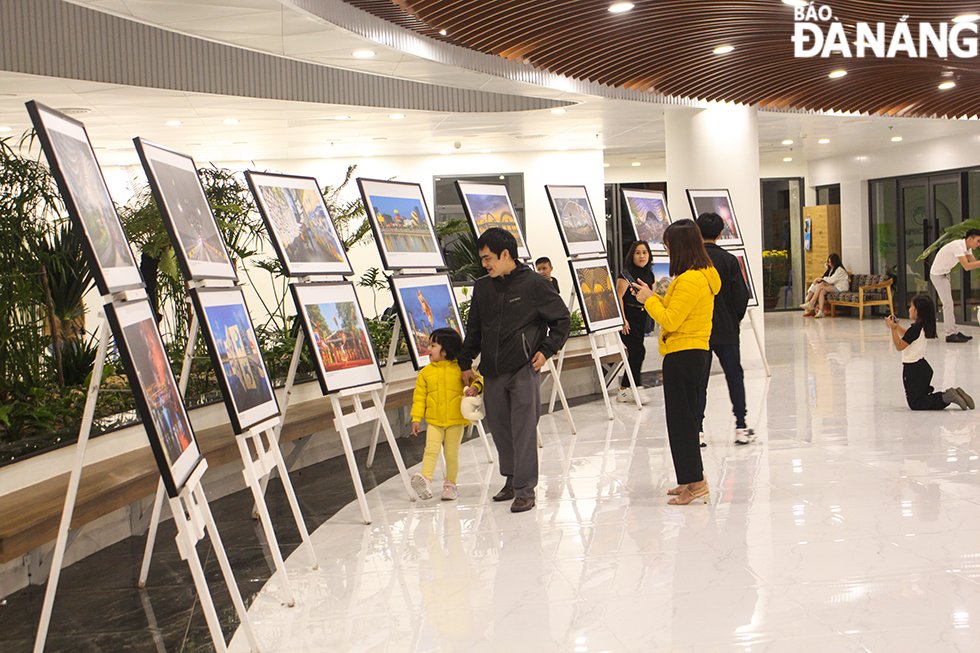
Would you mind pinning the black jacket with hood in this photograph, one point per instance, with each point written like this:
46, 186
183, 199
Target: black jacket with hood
511, 318
731, 301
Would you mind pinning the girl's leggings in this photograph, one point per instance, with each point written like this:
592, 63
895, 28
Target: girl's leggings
439, 438
919, 392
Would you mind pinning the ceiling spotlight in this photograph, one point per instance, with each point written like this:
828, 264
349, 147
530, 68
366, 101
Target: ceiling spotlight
231, 122
787, 159
897, 139
788, 141
174, 123
620, 7
443, 32
796, 3
5, 129
363, 53
341, 117
945, 86
557, 112
605, 165
967, 18
636, 164
723, 49
823, 141
837, 74
396, 116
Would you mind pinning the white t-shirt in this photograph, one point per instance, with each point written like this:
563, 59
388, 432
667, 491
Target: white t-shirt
839, 280
916, 338
948, 257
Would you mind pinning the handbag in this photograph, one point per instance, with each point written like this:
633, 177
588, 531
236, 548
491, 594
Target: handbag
472, 408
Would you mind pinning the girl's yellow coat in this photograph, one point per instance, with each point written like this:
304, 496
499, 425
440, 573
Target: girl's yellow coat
438, 393
684, 313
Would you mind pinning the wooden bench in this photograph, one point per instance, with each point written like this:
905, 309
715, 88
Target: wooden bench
864, 290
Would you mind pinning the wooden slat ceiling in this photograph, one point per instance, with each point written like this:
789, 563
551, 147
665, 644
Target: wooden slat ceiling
666, 46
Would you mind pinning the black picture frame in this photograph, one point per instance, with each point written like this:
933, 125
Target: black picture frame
224, 309
578, 194
717, 200
158, 399
169, 173
468, 189
331, 381
743, 261
80, 181
594, 321
406, 283
650, 231
408, 192
260, 183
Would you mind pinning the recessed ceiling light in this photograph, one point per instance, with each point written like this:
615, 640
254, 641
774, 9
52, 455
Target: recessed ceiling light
231, 122
174, 123
501, 177
557, 112
605, 165
823, 141
4, 129
723, 49
945, 86
363, 53
636, 164
787, 159
485, 151
897, 139
620, 7
796, 3
837, 74
443, 32
396, 116
967, 18
788, 141
341, 117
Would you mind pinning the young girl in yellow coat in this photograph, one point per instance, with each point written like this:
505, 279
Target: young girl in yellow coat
438, 393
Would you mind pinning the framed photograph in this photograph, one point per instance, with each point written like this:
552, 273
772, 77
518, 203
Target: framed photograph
401, 224
334, 325
720, 202
186, 213
425, 303
661, 266
649, 216
299, 224
157, 400
75, 169
743, 261
597, 294
576, 221
489, 205
235, 355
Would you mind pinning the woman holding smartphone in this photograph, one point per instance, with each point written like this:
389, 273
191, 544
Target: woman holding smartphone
684, 315
638, 266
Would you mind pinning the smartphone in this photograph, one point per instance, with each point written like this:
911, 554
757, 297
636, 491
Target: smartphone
631, 280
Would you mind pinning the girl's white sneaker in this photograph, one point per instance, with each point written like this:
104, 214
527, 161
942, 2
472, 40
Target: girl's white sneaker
421, 486
449, 491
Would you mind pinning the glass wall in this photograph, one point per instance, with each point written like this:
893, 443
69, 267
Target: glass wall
782, 231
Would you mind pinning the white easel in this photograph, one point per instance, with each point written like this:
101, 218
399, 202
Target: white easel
758, 340
389, 363
258, 461
344, 422
191, 512
604, 342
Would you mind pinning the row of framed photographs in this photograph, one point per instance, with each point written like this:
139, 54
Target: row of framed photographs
661, 269
650, 218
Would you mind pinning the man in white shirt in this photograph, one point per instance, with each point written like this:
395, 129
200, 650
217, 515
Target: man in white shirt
958, 252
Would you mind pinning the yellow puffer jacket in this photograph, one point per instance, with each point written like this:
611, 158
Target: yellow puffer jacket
684, 313
438, 393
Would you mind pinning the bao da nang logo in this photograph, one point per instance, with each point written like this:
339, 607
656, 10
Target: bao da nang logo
818, 33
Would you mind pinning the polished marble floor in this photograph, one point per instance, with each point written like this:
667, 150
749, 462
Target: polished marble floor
853, 524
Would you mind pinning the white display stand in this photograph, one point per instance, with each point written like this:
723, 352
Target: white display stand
758, 341
604, 343
557, 390
389, 363
191, 512
260, 454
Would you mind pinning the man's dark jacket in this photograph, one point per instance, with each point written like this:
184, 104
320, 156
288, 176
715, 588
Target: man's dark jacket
511, 318
731, 301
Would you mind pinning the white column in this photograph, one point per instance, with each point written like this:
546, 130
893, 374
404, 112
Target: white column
718, 147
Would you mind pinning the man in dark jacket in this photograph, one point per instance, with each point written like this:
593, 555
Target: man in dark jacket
730, 306
516, 323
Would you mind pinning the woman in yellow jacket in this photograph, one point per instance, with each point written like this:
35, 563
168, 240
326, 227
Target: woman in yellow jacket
684, 314
438, 393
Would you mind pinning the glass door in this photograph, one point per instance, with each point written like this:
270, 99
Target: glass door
946, 210
913, 196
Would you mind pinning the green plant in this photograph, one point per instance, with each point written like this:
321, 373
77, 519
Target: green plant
459, 247
348, 216
955, 232
775, 271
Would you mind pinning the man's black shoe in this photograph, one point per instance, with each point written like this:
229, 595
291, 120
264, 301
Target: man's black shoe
522, 504
958, 337
505, 494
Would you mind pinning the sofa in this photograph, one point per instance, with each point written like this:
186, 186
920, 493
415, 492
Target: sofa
864, 290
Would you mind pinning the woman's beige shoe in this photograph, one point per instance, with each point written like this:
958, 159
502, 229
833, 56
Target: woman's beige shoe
692, 492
